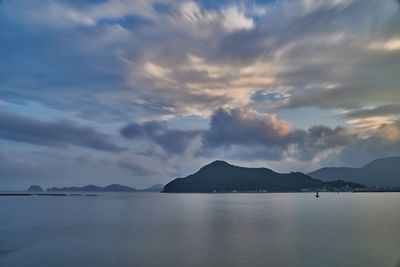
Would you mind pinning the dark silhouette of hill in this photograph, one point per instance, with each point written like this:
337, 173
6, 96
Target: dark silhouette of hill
119, 188
35, 188
93, 188
384, 172
110, 188
220, 176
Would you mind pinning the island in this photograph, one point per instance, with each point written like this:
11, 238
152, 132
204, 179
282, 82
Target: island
220, 176
109, 188
35, 188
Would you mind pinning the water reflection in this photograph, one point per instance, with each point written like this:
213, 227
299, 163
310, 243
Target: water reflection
146, 229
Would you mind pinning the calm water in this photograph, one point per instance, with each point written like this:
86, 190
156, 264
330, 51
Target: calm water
152, 229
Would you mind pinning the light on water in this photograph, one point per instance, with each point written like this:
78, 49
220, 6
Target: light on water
151, 229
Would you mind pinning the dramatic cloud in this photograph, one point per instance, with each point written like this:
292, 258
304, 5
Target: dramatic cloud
241, 127
271, 136
244, 134
53, 133
248, 135
164, 58
278, 82
171, 140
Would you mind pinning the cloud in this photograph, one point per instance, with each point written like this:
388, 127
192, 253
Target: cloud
160, 62
270, 136
389, 45
369, 120
171, 140
235, 20
53, 133
384, 143
314, 50
390, 131
245, 135
331, 69
318, 141
239, 126
133, 166
230, 18
392, 109
122, 56
190, 58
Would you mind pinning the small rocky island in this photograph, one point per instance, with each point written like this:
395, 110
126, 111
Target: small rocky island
35, 188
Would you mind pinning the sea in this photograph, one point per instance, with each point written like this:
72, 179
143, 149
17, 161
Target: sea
235, 229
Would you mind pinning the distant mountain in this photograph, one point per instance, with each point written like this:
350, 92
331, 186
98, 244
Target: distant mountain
119, 188
93, 188
384, 172
220, 176
154, 188
35, 188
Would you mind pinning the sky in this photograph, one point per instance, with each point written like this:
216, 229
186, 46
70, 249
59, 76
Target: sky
140, 92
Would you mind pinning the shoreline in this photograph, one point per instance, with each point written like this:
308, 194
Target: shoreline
88, 194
